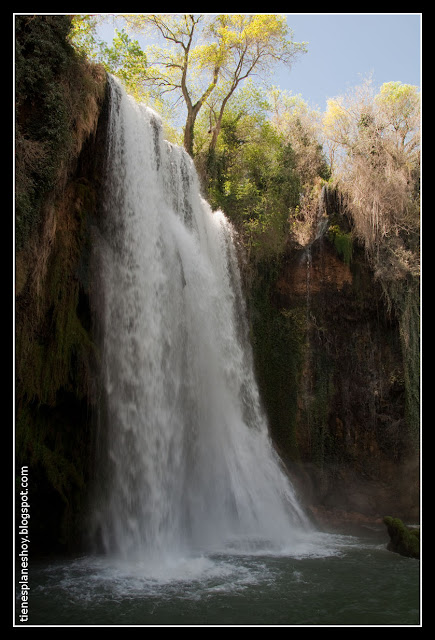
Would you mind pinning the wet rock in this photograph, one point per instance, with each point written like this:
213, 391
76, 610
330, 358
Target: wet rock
403, 539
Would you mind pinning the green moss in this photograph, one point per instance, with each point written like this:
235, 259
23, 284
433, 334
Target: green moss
403, 298
403, 540
279, 340
43, 132
53, 85
410, 341
52, 353
55, 353
317, 403
342, 242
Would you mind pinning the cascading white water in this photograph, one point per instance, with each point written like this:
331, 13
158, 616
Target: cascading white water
186, 460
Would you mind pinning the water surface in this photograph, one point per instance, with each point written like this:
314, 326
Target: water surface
336, 580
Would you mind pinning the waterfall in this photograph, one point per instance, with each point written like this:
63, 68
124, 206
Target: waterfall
185, 459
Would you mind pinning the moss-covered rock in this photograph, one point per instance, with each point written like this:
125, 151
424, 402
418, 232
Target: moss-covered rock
331, 372
278, 337
403, 539
55, 355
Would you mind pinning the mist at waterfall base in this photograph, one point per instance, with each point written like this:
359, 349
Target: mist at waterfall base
193, 519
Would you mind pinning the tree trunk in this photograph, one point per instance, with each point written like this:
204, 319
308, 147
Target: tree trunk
188, 132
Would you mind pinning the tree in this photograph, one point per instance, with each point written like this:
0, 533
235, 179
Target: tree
251, 176
251, 44
83, 34
379, 138
203, 54
301, 127
398, 107
186, 65
249, 104
124, 58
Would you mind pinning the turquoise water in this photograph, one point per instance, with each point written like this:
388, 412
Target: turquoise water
340, 580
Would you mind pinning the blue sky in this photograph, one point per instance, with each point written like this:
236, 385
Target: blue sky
343, 49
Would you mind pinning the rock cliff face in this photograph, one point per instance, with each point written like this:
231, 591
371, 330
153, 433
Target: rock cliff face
346, 383
56, 361
56, 203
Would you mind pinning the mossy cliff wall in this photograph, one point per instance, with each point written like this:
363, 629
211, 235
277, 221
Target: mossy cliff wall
332, 371
59, 103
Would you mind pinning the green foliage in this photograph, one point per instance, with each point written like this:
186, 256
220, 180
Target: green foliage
399, 106
56, 96
83, 35
204, 60
251, 177
42, 52
300, 126
342, 242
42, 56
126, 60
124, 55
